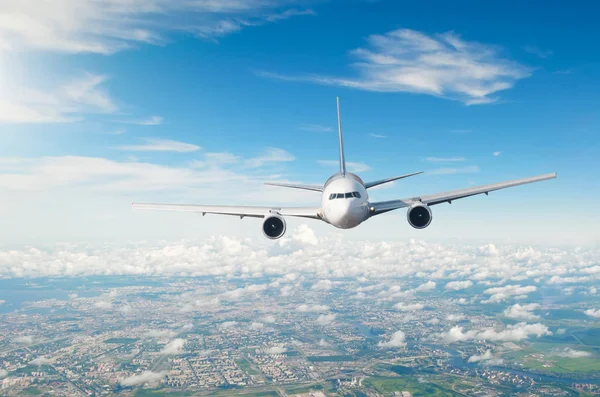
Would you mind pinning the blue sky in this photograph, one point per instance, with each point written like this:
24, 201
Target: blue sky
202, 101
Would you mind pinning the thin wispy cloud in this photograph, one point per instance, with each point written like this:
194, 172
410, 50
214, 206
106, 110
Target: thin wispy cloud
352, 166
378, 136
444, 159
443, 65
315, 128
449, 170
460, 131
537, 51
68, 102
496, 154
109, 26
270, 155
161, 145
152, 120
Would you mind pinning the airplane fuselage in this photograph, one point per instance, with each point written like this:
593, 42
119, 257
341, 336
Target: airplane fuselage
345, 201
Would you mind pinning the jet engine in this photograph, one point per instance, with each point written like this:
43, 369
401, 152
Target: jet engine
419, 216
274, 226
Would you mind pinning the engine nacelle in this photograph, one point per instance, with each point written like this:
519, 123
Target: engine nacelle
419, 216
274, 226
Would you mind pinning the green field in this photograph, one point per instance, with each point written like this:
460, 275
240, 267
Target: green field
304, 389
245, 366
531, 358
158, 393
389, 385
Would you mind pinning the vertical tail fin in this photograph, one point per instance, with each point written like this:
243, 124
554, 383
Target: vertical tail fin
342, 160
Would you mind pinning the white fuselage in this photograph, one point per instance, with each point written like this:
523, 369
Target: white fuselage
350, 210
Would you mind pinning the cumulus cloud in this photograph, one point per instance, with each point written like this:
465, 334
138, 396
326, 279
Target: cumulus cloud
161, 145
485, 356
571, 353
256, 326
312, 308
173, 347
511, 333
269, 319
428, 286
322, 285
144, 377
593, 313
455, 317
3, 373
325, 319
2, 302
444, 65
227, 324
500, 294
42, 361
25, 340
522, 312
275, 350
408, 307
458, 285
397, 340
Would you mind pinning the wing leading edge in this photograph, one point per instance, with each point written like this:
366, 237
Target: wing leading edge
241, 211
447, 197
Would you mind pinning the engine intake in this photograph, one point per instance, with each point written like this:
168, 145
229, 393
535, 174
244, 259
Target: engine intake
274, 226
419, 216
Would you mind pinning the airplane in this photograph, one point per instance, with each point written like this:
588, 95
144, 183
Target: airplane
344, 200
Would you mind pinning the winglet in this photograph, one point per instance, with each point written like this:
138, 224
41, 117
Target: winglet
342, 160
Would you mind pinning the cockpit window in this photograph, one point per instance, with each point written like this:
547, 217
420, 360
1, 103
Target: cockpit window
331, 196
348, 195
356, 194
340, 195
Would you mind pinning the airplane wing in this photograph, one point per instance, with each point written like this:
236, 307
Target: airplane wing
447, 197
241, 211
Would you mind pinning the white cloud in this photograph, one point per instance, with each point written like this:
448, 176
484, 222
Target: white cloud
3, 373
593, 313
271, 155
408, 307
165, 333
397, 340
269, 319
500, 294
173, 347
152, 120
378, 136
144, 377
275, 350
442, 65
496, 154
351, 166
511, 333
286, 290
228, 324
571, 353
2, 302
103, 305
455, 317
108, 26
25, 339
485, 356
458, 285
522, 312
428, 286
312, 308
450, 171
316, 128
256, 326
161, 145
444, 159
66, 103
325, 319
322, 285
42, 361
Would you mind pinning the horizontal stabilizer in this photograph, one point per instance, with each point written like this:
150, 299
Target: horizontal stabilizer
315, 188
382, 181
